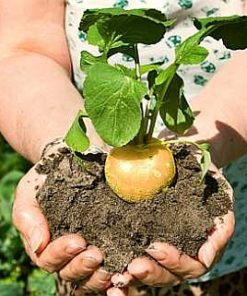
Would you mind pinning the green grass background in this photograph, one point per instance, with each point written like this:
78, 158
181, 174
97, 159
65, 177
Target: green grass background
18, 276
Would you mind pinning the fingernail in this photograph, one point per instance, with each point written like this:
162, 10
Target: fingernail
208, 255
137, 270
36, 239
74, 248
118, 280
158, 255
90, 261
103, 275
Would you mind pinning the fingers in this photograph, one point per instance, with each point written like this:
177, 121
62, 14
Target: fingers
117, 292
27, 216
150, 273
100, 280
59, 252
217, 240
66, 254
186, 267
175, 261
122, 280
82, 265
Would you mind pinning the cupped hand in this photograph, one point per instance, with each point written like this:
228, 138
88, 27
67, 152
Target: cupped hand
68, 255
171, 266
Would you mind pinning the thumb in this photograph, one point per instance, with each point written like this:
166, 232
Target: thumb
27, 216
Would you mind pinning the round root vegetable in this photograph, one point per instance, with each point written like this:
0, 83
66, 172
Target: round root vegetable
138, 172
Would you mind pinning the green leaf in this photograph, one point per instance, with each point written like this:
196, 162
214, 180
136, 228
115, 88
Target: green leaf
87, 60
175, 110
126, 71
116, 28
205, 160
94, 37
197, 55
132, 73
189, 53
91, 16
205, 146
134, 29
148, 68
76, 137
112, 101
231, 29
124, 49
165, 74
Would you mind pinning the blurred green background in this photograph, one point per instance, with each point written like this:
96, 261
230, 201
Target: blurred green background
18, 276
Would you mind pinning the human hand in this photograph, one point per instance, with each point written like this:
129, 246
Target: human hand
68, 255
170, 266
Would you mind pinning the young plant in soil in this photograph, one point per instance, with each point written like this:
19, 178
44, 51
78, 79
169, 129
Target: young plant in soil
145, 189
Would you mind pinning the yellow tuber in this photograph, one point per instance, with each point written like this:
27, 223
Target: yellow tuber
138, 172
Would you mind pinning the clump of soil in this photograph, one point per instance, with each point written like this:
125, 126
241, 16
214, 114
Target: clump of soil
76, 199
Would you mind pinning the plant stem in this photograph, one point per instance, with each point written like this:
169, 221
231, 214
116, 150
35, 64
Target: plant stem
142, 131
161, 96
137, 63
157, 107
144, 125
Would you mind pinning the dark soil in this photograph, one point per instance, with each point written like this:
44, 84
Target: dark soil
76, 199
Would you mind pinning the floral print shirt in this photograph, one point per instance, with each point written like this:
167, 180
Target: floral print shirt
195, 77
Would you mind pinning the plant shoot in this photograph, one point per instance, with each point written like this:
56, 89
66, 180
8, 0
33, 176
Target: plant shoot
124, 107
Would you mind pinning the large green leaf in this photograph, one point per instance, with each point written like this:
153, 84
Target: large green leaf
112, 101
116, 28
91, 16
76, 137
175, 110
132, 29
231, 29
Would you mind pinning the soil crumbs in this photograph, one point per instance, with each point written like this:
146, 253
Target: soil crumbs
76, 199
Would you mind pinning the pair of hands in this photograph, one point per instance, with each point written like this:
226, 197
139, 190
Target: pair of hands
73, 259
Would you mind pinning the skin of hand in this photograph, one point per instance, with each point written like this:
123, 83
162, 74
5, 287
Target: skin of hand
69, 255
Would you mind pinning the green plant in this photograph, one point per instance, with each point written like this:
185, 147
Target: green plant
124, 108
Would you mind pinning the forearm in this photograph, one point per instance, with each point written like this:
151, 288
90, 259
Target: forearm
37, 102
222, 112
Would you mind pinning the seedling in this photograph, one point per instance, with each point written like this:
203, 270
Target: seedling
124, 103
